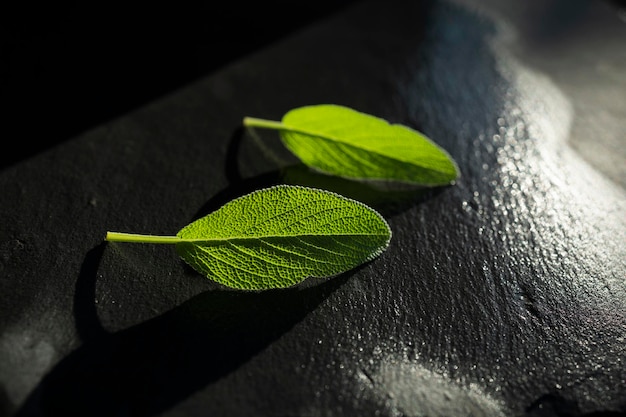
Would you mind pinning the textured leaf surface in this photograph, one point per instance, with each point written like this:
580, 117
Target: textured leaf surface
277, 237
348, 143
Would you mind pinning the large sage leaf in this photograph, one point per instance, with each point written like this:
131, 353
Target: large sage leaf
276, 237
344, 142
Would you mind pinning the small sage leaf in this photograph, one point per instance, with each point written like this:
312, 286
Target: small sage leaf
341, 141
277, 237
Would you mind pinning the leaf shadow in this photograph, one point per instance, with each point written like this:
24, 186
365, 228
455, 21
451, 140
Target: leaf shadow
387, 198
147, 368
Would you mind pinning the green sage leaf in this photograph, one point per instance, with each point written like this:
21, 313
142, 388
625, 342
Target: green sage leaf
279, 236
341, 141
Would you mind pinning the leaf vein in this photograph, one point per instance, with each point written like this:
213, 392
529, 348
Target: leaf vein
233, 265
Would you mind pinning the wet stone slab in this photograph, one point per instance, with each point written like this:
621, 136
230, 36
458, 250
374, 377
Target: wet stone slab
501, 295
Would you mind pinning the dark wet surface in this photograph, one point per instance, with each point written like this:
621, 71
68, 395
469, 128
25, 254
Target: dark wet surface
503, 294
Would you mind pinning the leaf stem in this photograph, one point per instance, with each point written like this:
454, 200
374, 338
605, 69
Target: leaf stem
266, 124
136, 238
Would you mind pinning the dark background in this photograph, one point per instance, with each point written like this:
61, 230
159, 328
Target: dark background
69, 66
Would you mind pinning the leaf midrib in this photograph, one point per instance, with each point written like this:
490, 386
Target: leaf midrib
253, 238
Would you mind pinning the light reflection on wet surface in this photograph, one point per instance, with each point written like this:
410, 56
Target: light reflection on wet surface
405, 388
551, 227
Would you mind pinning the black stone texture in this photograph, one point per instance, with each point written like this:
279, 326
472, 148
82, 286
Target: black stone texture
501, 295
